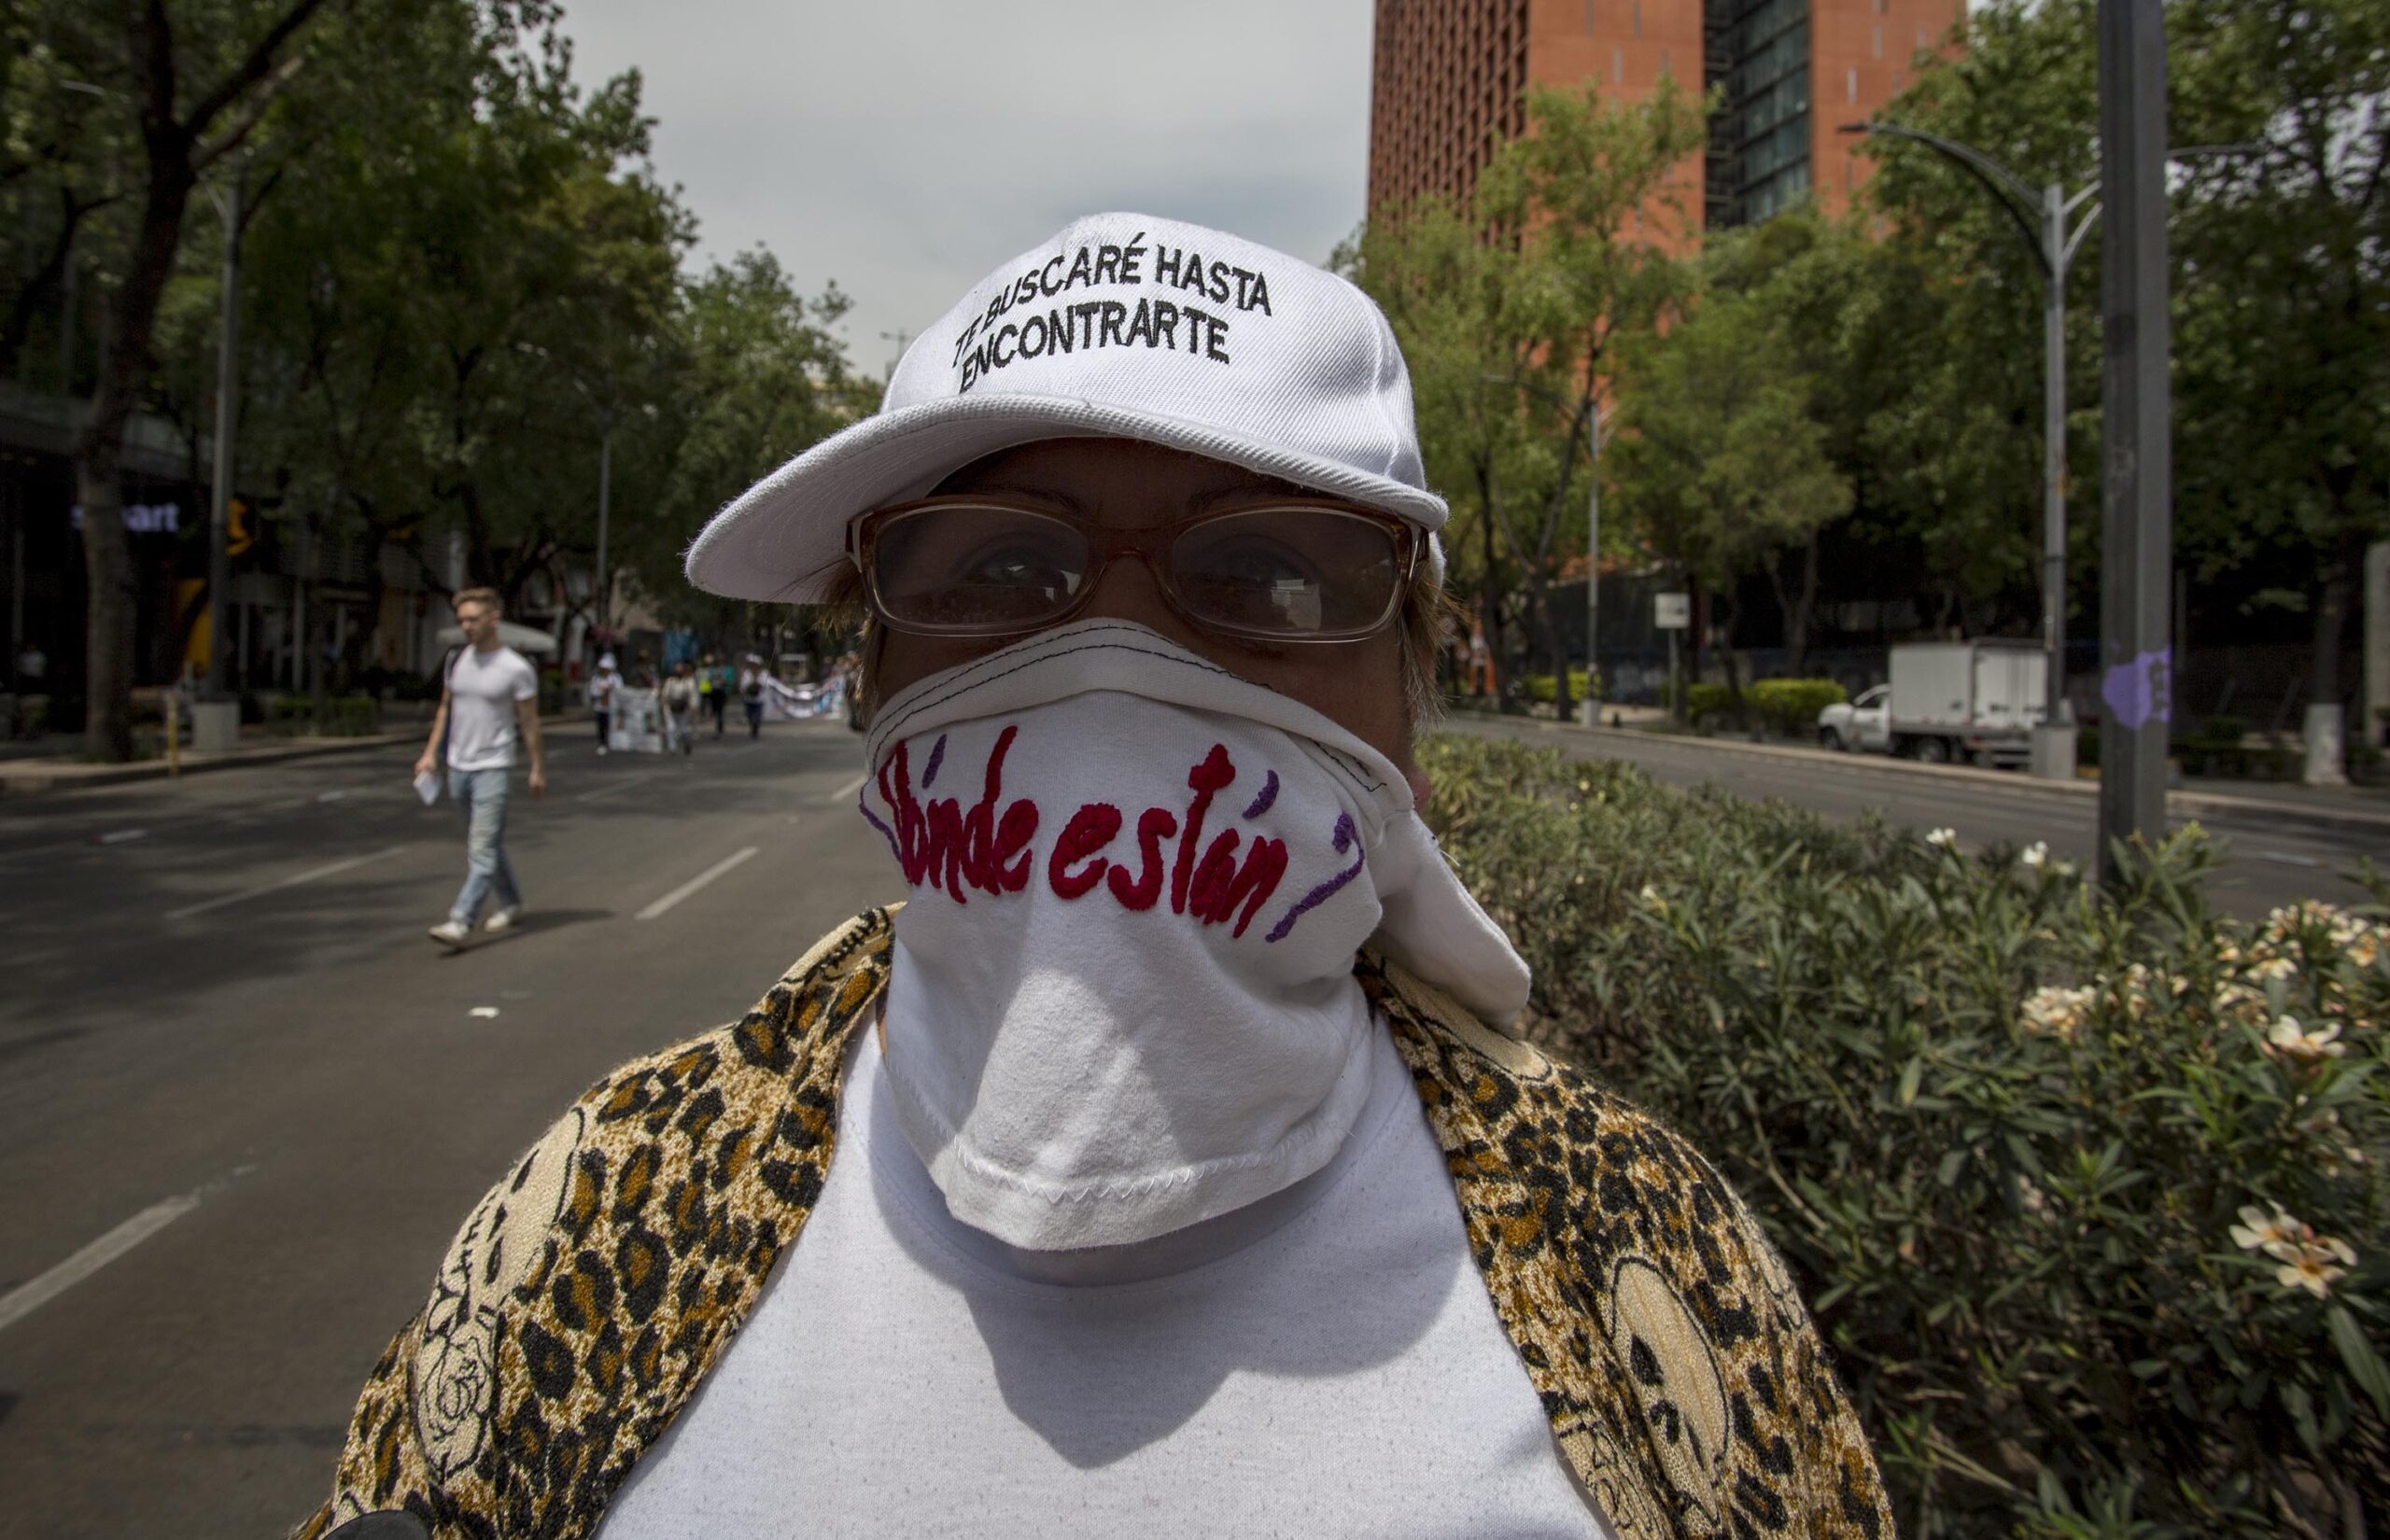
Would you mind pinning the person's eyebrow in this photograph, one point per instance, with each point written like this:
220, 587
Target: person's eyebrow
1258, 489
1064, 500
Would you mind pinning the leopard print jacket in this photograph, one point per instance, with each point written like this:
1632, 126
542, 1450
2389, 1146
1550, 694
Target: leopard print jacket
595, 1284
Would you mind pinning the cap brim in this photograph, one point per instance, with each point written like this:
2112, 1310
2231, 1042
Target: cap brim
784, 539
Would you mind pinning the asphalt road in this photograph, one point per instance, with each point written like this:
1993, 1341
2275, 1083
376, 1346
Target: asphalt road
2271, 857
244, 1102
225, 1041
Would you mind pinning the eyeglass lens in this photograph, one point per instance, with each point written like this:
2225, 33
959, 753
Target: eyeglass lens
1271, 572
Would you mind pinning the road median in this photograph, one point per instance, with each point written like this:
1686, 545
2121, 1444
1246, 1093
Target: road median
2331, 807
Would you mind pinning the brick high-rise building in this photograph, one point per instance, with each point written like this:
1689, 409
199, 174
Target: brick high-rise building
1447, 75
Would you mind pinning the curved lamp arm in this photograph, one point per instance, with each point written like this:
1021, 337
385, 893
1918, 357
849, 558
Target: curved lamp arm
2005, 186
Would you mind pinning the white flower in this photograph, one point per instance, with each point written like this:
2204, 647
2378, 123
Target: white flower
1649, 898
1943, 838
2035, 855
2054, 1011
2273, 1234
2310, 1265
2307, 1047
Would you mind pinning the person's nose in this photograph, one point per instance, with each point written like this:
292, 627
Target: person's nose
1127, 588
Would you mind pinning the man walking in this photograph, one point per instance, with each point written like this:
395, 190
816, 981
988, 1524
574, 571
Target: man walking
490, 697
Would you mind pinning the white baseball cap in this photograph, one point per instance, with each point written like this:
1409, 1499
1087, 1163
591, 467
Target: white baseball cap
1122, 326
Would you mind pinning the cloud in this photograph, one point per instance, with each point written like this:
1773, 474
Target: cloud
906, 150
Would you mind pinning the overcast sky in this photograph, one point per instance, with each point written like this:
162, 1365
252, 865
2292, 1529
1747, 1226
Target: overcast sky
906, 149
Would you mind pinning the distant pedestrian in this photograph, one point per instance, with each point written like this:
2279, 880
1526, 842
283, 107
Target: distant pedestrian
711, 701
750, 693
602, 685
681, 709
726, 684
490, 700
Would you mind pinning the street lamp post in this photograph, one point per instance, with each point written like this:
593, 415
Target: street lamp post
1593, 704
228, 388
2053, 244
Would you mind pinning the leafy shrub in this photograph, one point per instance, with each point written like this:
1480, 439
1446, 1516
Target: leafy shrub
1790, 708
1705, 704
2086, 1191
1538, 689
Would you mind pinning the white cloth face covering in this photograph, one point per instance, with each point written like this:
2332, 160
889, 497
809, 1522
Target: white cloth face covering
1122, 999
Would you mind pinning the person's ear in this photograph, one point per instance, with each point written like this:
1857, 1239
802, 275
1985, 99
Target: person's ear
1421, 789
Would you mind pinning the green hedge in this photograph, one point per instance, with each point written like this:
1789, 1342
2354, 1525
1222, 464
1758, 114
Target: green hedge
1538, 687
2023, 1145
1790, 708
1787, 708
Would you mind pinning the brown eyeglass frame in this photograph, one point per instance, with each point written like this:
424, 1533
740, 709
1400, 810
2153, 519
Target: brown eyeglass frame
1144, 544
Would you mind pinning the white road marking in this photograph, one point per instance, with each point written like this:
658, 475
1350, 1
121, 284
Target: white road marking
695, 883
119, 836
2284, 859
334, 869
485, 1012
22, 1300
843, 793
613, 786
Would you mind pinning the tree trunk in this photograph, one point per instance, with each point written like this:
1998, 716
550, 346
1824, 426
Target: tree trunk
1796, 625
112, 606
2332, 603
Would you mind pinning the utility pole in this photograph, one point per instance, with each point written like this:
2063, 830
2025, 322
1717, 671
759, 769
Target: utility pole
1592, 707
228, 386
605, 498
2136, 643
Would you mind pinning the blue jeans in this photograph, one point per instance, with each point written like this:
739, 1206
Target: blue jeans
480, 796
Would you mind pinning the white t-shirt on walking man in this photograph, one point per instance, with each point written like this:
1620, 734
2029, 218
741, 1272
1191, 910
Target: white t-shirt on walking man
483, 689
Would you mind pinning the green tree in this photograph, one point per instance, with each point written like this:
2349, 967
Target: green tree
2283, 297
1511, 316
173, 90
760, 376
1720, 461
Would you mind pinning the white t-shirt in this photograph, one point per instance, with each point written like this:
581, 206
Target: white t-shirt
1323, 1362
483, 688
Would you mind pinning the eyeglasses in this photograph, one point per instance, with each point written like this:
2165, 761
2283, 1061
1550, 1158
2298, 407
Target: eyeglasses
1292, 571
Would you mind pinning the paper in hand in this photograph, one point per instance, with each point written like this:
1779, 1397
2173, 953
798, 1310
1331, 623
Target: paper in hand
427, 786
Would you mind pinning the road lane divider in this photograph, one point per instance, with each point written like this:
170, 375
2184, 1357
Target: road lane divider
696, 883
27, 1298
332, 869
843, 793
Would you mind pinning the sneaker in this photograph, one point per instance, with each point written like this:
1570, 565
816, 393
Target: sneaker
450, 934
502, 920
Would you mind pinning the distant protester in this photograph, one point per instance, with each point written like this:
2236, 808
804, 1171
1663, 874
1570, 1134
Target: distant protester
1167, 1162
603, 685
750, 693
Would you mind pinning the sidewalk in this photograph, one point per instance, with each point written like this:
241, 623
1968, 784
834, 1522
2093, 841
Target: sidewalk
2353, 807
27, 776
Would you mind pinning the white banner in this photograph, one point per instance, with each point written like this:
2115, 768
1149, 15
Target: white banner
638, 726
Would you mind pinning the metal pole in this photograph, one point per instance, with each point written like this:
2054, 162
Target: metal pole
1594, 579
2053, 756
2136, 649
228, 384
605, 494
2054, 449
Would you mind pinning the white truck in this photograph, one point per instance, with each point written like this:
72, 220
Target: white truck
1971, 700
